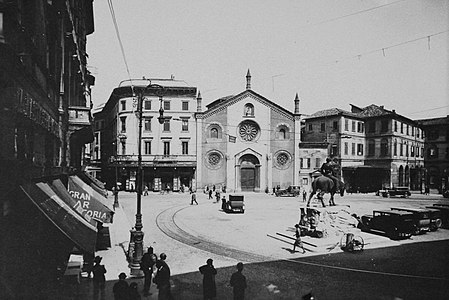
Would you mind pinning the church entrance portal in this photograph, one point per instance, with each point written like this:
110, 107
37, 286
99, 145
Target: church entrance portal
249, 173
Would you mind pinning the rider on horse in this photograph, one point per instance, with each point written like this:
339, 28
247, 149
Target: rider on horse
328, 169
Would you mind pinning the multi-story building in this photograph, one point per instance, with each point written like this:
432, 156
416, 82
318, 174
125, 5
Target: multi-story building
248, 143
312, 156
436, 152
168, 144
375, 147
45, 120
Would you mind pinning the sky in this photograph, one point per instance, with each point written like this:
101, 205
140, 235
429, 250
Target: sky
332, 53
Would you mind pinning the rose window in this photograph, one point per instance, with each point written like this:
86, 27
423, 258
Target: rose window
282, 159
214, 159
248, 131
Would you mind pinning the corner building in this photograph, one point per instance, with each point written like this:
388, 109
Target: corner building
247, 143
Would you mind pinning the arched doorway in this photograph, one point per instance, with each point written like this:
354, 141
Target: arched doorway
401, 176
249, 173
407, 176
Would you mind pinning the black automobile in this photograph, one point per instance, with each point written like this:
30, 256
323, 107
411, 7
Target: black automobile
291, 191
402, 191
394, 224
422, 220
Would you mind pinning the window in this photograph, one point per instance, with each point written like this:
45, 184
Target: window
305, 163
371, 126
395, 148
310, 127
323, 127
123, 148
346, 125
166, 124
384, 126
305, 181
360, 127
402, 127
417, 132
214, 133
282, 134
185, 105
412, 150
384, 147
433, 151
371, 147
166, 105
147, 124
123, 123
185, 124
249, 110
353, 149
147, 147
123, 103
147, 105
353, 126
395, 126
166, 148
334, 150
317, 162
96, 154
406, 150
401, 149
413, 131
346, 148
417, 151
407, 129
335, 125
359, 149
185, 147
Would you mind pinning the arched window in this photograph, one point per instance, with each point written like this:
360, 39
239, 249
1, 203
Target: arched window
249, 110
282, 134
214, 133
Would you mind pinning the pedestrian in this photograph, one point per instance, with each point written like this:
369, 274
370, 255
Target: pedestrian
238, 283
209, 288
193, 195
146, 265
162, 278
217, 196
304, 196
298, 242
145, 191
223, 203
98, 271
121, 288
213, 188
88, 263
133, 292
210, 194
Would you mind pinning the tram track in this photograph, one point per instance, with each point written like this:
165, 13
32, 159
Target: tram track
165, 221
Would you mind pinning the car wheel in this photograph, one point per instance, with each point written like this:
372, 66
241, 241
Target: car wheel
416, 230
393, 234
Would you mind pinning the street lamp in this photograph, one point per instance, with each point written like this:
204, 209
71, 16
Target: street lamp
136, 243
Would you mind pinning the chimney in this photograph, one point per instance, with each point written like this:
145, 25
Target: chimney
248, 80
198, 102
296, 104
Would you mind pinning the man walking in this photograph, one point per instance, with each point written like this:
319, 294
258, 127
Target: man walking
238, 282
162, 278
193, 195
209, 287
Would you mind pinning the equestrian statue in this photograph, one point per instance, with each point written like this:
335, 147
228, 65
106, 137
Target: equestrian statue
327, 183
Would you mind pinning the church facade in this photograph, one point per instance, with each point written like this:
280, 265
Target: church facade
247, 143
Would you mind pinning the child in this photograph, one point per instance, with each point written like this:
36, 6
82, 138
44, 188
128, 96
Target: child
298, 241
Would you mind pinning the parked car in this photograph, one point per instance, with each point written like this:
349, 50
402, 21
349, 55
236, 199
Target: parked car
422, 219
235, 204
394, 224
291, 191
402, 191
444, 210
436, 218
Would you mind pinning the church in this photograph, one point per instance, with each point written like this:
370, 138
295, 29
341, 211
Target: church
247, 143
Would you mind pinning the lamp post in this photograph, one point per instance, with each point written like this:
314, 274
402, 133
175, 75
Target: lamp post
136, 243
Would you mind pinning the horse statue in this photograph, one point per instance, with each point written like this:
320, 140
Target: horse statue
322, 185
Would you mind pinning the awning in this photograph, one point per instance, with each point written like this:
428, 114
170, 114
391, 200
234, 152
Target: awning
81, 232
93, 183
63, 193
89, 200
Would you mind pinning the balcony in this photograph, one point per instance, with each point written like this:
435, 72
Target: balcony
157, 160
79, 116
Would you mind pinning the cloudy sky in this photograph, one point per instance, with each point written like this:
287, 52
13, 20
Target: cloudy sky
332, 53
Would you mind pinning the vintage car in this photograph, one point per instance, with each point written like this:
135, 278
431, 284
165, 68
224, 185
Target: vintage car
235, 204
402, 191
291, 191
394, 224
422, 219
444, 213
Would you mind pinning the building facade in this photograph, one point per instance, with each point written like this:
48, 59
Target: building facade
46, 122
247, 143
375, 147
436, 152
168, 144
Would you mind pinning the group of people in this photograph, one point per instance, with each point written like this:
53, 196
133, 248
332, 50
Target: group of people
157, 271
237, 282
